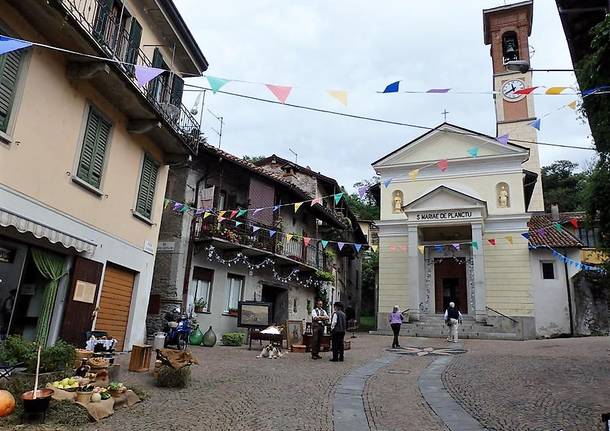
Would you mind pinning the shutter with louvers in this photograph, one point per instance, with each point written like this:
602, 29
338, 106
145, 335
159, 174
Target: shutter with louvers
102, 15
177, 90
148, 183
9, 71
133, 46
95, 143
154, 84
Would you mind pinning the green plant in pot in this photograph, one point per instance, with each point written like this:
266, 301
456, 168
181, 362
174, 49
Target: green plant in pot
201, 305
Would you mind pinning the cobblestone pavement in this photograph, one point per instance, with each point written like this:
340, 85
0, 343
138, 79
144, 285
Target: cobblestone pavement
559, 384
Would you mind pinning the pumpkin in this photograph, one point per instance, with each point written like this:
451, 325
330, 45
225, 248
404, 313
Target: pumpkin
96, 397
7, 403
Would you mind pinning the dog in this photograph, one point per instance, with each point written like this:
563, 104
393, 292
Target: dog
270, 351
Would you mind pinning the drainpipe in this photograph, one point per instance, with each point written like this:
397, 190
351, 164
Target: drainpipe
570, 312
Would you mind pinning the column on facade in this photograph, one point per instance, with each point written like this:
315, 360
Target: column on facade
478, 258
413, 273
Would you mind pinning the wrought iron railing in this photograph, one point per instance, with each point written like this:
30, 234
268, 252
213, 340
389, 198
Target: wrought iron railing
110, 32
311, 255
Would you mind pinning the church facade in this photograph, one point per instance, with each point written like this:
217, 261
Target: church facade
456, 210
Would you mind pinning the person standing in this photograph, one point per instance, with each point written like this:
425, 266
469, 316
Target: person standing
319, 317
395, 319
453, 318
338, 326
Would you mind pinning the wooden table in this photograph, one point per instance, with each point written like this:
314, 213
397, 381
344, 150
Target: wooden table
276, 339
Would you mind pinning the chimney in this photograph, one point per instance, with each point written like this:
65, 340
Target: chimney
555, 212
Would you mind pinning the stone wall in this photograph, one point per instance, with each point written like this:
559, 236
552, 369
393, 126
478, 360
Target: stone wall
590, 305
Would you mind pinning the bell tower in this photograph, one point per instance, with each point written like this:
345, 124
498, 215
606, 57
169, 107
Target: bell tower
507, 29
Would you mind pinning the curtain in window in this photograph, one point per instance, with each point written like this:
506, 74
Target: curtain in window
234, 292
50, 266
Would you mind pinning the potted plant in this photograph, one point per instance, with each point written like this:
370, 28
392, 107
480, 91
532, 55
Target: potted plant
200, 305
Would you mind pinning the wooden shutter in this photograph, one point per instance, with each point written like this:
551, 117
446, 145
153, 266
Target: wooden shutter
148, 183
133, 45
102, 14
95, 143
9, 71
158, 62
177, 89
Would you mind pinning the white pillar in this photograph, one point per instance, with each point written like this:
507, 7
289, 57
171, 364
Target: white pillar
478, 257
413, 272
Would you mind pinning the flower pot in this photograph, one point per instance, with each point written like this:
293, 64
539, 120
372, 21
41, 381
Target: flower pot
200, 310
83, 397
40, 404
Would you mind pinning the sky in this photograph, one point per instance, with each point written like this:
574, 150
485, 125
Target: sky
361, 46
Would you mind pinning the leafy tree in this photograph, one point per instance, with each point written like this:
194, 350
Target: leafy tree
370, 268
253, 159
563, 186
364, 207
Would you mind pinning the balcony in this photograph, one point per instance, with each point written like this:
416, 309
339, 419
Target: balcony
241, 239
85, 26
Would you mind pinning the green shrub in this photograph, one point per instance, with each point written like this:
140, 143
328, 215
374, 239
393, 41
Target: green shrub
233, 339
171, 378
15, 349
59, 357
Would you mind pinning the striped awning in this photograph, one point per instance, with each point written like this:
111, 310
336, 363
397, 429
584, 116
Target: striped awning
40, 230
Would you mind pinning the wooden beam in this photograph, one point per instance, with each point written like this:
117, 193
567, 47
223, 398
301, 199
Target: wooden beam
139, 127
87, 70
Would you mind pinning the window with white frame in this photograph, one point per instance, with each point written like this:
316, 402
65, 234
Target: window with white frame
234, 290
201, 287
548, 270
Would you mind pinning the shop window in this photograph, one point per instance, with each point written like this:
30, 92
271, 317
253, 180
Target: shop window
234, 291
548, 270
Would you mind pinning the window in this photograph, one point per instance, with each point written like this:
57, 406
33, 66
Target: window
158, 86
93, 153
234, 291
548, 270
9, 72
148, 184
201, 287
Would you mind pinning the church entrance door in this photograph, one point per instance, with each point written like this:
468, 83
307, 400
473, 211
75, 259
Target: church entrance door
450, 284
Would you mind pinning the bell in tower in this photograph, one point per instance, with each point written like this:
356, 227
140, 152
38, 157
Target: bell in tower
510, 47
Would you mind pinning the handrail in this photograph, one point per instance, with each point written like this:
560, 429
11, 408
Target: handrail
501, 314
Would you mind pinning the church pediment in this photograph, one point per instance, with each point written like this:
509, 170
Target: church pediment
451, 143
446, 203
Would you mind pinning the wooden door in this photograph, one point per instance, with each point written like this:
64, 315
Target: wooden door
78, 314
450, 284
115, 302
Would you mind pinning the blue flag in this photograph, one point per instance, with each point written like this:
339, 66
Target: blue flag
8, 44
392, 88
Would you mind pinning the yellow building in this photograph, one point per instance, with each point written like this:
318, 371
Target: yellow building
84, 154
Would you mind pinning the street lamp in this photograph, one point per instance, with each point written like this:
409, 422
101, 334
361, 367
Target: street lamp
524, 66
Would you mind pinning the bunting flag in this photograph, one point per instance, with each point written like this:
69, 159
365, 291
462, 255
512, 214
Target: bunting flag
555, 90
166, 203
525, 91
421, 248
438, 90
509, 238
275, 208
574, 222
241, 213
438, 247
474, 151
475, 245
541, 231
403, 248
256, 211
340, 245
233, 213
456, 246
237, 223
357, 247
199, 211
535, 124
221, 218
526, 235
558, 227
572, 104
340, 95
387, 182
374, 248
177, 206
392, 88
216, 83
272, 233
413, 174
306, 241
338, 197
289, 236
8, 44
443, 165
324, 243
362, 191
297, 205
392, 248
221, 213
146, 74
503, 139
279, 91
255, 229
206, 214
492, 241
184, 209
316, 201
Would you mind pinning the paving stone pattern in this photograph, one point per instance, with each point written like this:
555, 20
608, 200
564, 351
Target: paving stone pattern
546, 385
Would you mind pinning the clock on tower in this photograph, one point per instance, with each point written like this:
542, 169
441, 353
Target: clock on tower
507, 29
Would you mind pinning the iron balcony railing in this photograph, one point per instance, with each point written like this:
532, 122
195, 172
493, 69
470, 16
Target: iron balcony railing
311, 255
109, 30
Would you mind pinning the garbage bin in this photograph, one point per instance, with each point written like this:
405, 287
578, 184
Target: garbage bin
159, 341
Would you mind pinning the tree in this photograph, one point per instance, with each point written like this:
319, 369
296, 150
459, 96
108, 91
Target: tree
363, 203
253, 159
564, 187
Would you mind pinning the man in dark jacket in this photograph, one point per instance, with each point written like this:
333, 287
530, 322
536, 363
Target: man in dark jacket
338, 326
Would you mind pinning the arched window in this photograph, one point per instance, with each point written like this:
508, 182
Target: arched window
397, 201
510, 47
502, 195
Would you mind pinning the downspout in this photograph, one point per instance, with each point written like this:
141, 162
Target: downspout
570, 312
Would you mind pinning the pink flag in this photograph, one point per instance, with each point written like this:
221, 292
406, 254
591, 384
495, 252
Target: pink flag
527, 90
316, 201
279, 91
443, 165
146, 74
306, 241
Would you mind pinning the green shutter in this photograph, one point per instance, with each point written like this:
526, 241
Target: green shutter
177, 90
148, 183
102, 15
9, 71
95, 143
156, 62
133, 46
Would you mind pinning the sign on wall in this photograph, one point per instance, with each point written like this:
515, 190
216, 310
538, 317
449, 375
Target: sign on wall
84, 292
445, 215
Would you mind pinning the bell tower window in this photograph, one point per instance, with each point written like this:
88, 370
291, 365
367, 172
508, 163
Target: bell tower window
510, 47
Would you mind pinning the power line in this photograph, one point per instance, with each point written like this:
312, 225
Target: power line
376, 120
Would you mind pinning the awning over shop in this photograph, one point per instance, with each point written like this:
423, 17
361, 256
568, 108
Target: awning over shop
40, 230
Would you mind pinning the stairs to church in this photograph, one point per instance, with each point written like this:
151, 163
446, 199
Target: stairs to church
434, 327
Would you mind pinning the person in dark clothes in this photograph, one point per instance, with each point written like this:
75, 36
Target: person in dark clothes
319, 317
338, 325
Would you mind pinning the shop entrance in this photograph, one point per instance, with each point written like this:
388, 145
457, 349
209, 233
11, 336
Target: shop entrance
450, 284
279, 298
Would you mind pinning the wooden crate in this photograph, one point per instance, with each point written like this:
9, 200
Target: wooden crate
298, 348
347, 345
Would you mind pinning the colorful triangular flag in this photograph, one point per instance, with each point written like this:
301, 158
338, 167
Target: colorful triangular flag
443, 165
413, 174
255, 229
233, 213
403, 248
492, 241
503, 139
324, 243
8, 44
185, 208
439, 247
421, 248
306, 241
340, 245
535, 124
340, 95
526, 235
392, 88
474, 151
221, 219
297, 205
206, 214
456, 245
316, 201
146, 74
374, 248
475, 245
338, 197
272, 233
279, 91
558, 227
256, 211
289, 236
555, 90
541, 231
357, 247
237, 223
387, 182
241, 212
572, 104
221, 213
166, 203
216, 83
509, 238
275, 208
525, 91
392, 247
574, 222
362, 191
176, 206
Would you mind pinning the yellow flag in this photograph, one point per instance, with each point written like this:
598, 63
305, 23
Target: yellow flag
206, 214
555, 90
297, 205
340, 95
421, 248
509, 238
289, 236
413, 174
221, 213
572, 105
374, 248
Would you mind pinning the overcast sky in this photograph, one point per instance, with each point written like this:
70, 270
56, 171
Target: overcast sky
360, 46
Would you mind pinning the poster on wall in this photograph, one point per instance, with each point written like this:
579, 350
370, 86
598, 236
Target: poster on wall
84, 292
252, 314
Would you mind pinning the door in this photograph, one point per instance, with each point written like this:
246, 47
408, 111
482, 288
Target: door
81, 300
115, 302
12, 262
450, 284
279, 298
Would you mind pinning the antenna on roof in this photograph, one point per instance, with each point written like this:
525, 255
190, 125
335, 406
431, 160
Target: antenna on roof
296, 156
219, 133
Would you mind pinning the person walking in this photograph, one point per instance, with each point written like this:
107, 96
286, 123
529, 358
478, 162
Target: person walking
338, 326
319, 317
395, 319
453, 318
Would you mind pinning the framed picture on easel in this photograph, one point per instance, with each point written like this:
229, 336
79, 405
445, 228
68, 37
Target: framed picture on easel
294, 332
